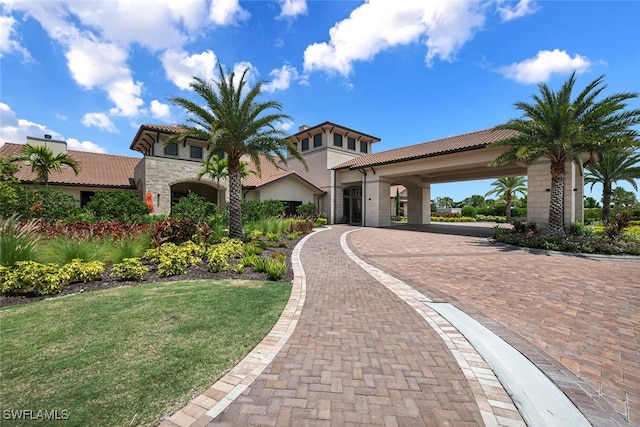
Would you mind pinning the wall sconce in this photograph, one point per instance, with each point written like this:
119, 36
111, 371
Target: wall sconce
158, 200
547, 189
575, 189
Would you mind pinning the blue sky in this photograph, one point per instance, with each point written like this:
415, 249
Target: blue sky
90, 72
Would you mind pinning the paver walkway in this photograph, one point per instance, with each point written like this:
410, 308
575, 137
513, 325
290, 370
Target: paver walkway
366, 350
578, 319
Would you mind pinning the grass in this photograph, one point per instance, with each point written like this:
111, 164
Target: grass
127, 356
64, 249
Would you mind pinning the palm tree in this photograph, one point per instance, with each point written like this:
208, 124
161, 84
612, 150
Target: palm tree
508, 187
559, 128
216, 169
234, 121
615, 165
42, 161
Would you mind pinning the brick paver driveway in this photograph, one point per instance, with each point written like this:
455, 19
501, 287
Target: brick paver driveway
578, 319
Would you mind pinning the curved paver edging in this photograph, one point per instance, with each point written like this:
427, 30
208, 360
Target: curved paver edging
572, 254
220, 395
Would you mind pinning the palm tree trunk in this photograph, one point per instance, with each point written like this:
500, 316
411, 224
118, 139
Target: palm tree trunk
235, 210
606, 201
508, 213
556, 203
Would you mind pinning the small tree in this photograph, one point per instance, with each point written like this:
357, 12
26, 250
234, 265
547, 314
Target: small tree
622, 164
42, 161
508, 188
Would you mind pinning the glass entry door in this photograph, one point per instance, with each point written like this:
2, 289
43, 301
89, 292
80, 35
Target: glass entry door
353, 205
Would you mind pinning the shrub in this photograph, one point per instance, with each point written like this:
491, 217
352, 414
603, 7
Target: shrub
469, 211
124, 206
592, 215
308, 210
255, 210
579, 229
172, 259
251, 249
50, 205
320, 222
85, 230
195, 207
30, 277
275, 268
17, 241
218, 256
617, 224
84, 272
303, 226
173, 230
129, 269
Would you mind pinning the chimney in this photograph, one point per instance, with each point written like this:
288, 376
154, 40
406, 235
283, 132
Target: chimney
303, 127
47, 136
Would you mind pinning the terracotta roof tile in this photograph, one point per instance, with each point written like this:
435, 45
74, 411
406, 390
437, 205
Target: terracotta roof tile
99, 170
469, 141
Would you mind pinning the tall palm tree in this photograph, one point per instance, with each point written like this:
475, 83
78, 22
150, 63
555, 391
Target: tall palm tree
234, 121
509, 187
42, 161
615, 165
556, 127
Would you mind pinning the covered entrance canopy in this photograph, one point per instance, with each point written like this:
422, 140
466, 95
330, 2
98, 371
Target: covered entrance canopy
460, 158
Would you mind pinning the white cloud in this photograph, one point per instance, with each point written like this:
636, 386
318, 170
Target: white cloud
74, 144
249, 78
181, 67
8, 44
508, 12
378, 25
227, 12
285, 125
160, 110
543, 65
281, 78
13, 129
292, 8
99, 120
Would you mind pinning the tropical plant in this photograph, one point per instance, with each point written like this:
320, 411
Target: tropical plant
622, 164
234, 121
215, 168
123, 206
590, 203
508, 188
444, 202
556, 127
42, 161
193, 206
623, 199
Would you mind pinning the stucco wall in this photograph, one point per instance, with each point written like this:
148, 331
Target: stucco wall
288, 190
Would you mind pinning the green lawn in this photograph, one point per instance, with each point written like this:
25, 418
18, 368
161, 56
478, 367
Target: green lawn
127, 356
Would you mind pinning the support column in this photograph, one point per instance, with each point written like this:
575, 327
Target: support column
419, 204
377, 210
539, 193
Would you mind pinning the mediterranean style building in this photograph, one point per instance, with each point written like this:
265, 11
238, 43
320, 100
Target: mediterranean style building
344, 178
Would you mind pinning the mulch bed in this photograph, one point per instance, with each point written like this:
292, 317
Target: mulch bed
196, 272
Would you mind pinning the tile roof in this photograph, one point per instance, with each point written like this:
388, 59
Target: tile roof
334, 125
96, 170
469, 141
270, 173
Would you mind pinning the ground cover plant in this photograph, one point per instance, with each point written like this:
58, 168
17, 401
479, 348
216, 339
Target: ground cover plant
130, 355
616, 238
